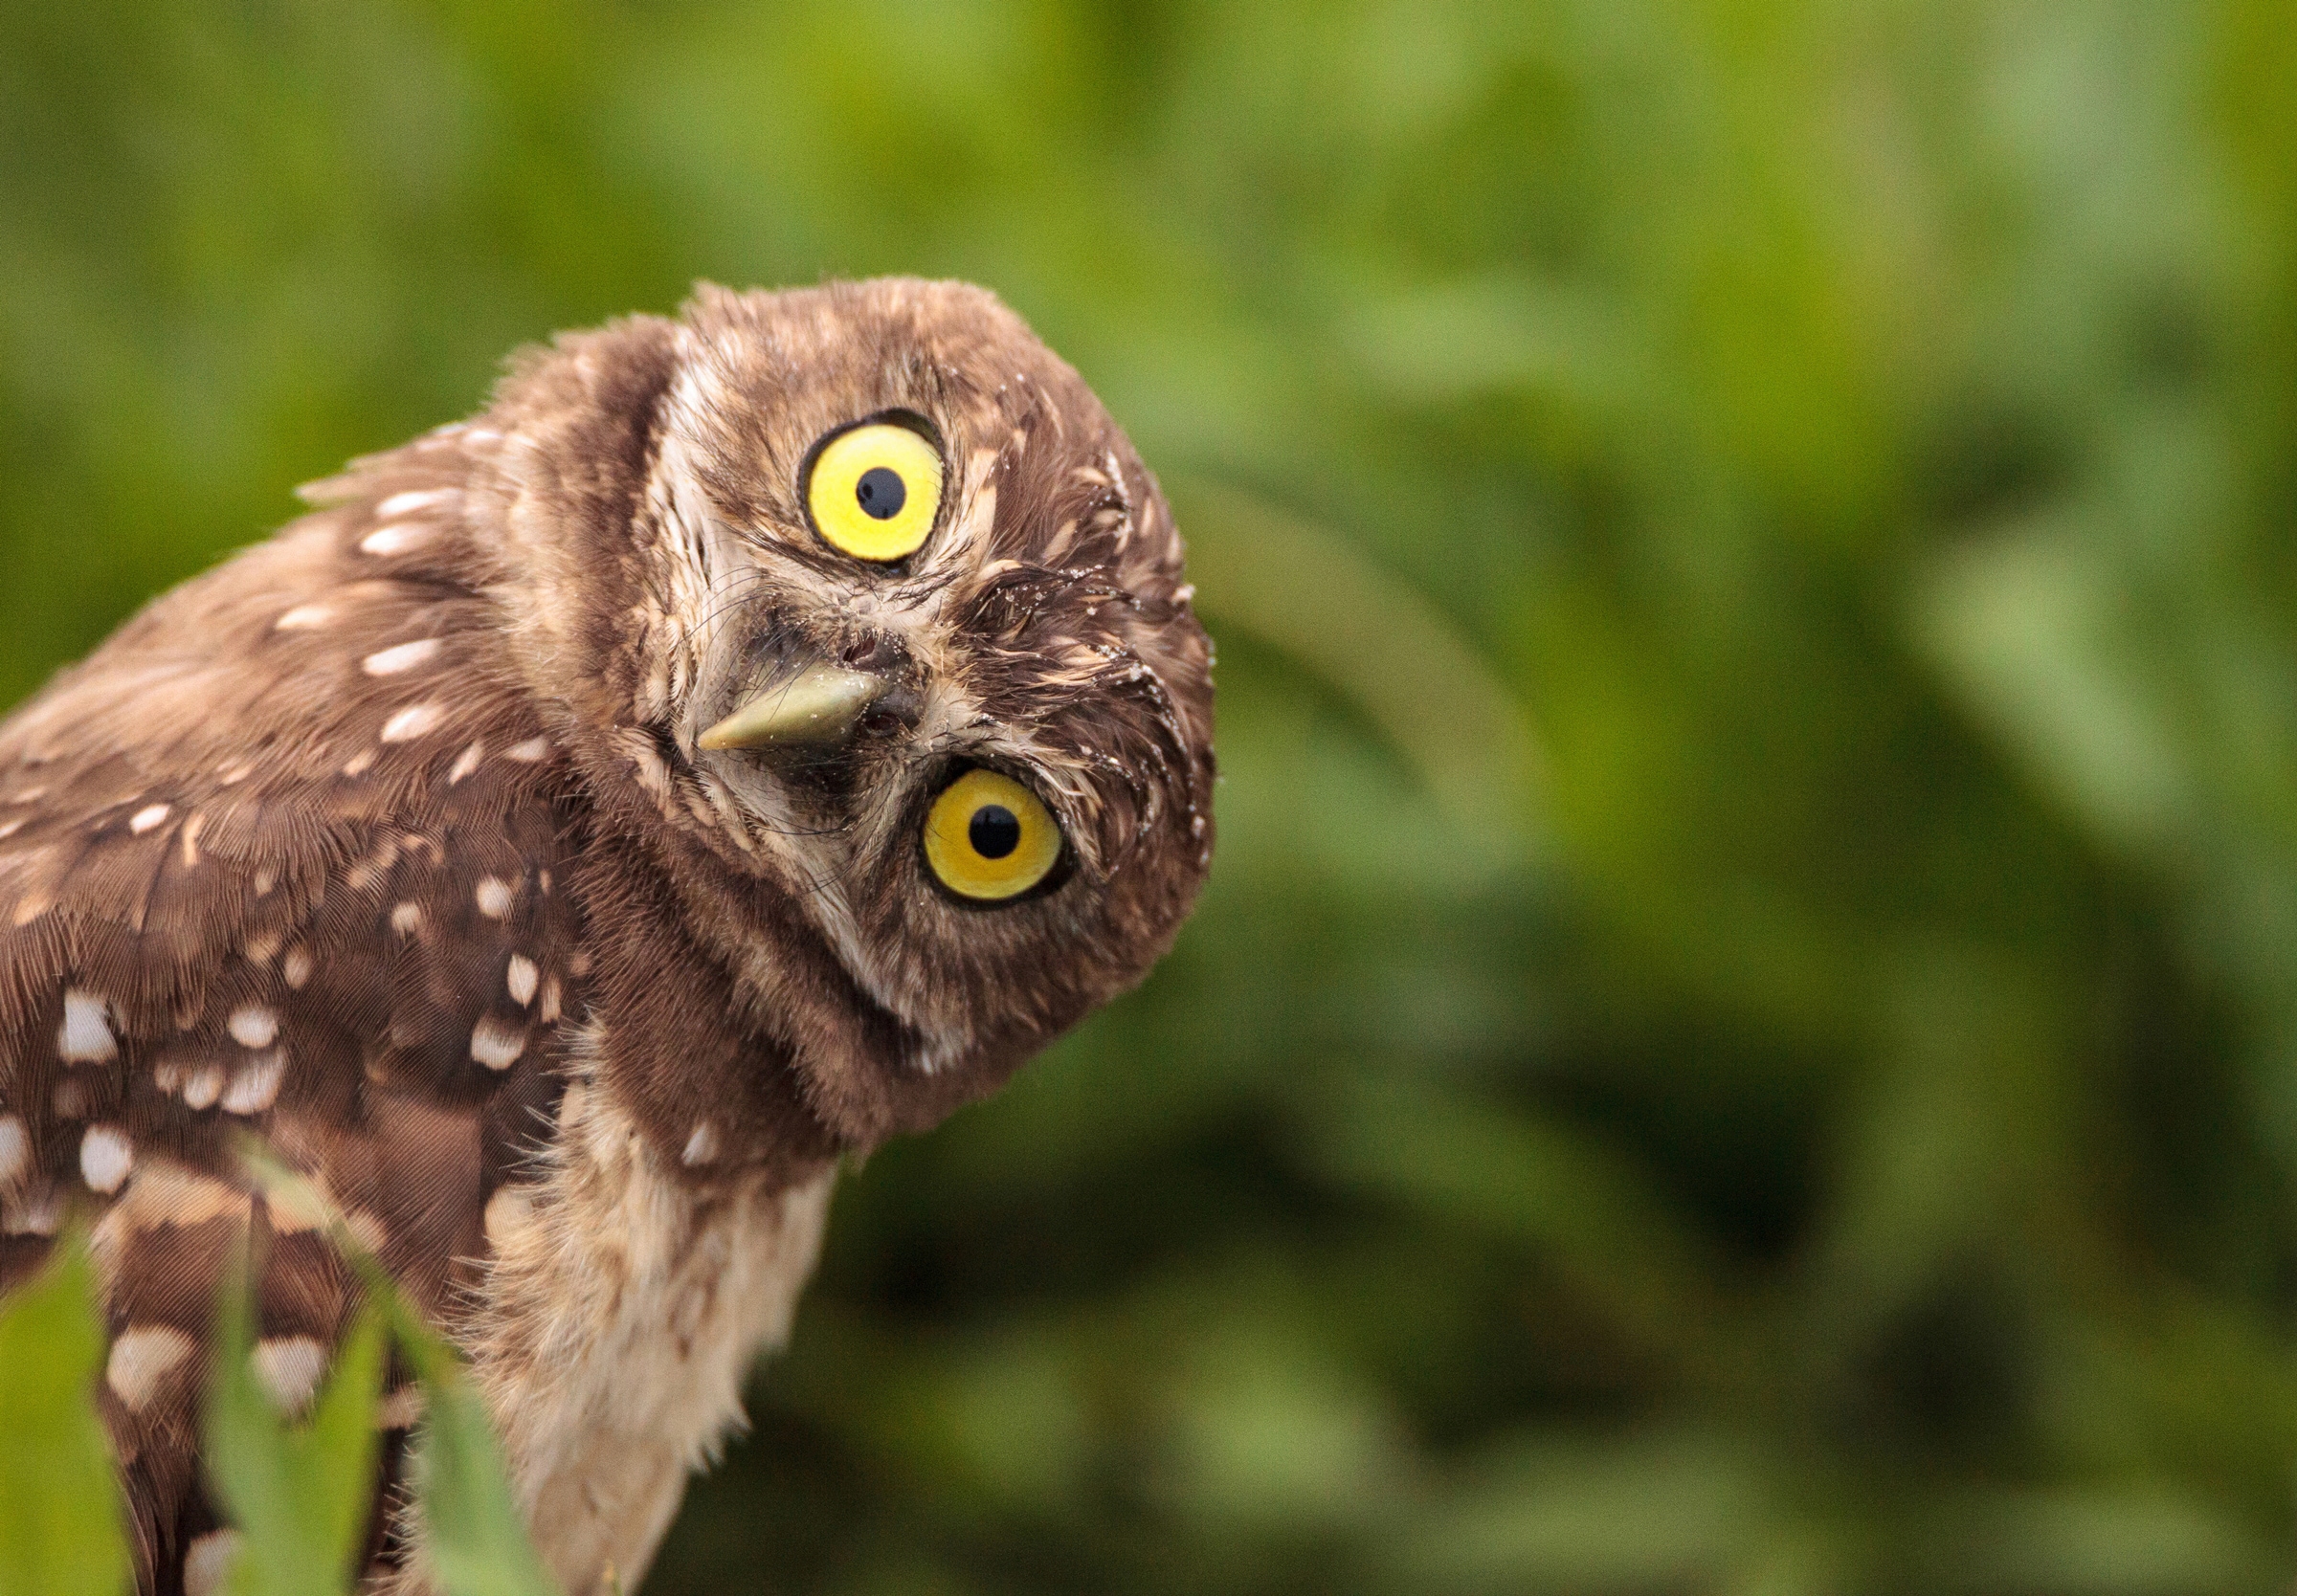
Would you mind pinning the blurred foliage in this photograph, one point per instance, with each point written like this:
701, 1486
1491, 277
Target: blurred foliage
298, 1488
61, 1526
1743, 1034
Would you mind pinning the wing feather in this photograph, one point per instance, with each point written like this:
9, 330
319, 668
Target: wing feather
259, 873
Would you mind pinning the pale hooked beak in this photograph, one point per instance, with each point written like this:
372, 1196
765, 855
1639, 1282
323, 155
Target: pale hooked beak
819, 706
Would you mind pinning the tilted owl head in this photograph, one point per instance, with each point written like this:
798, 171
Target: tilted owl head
884, 617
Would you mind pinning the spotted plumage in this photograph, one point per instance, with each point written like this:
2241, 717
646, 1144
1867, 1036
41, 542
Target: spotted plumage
527, 844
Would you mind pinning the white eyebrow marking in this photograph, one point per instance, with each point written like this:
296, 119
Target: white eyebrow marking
400, 656
253, 1025
106, 1158
414, 499
87, 1036
410, 722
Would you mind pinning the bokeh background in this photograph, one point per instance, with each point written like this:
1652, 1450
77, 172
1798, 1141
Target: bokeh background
1744, 1034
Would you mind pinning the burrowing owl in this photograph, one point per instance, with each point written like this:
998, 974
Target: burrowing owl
750, 738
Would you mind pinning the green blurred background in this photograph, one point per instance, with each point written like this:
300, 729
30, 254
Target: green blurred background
1744, 1034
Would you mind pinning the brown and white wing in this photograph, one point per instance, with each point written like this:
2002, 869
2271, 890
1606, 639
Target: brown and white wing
286, 857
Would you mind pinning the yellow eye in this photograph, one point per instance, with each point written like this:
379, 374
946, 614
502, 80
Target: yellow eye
988, 837
873, 491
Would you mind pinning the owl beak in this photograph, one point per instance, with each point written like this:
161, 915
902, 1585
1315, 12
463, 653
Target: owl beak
819, 705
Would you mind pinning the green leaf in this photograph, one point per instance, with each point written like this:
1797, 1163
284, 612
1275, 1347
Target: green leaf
300, 1495
476, 1536
60, 1522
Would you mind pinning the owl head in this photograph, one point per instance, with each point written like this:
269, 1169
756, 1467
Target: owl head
863, 622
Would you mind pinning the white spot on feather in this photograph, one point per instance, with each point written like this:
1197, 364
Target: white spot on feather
256, 1086
146, 817
87, 1036
413, 499
702, 1145
106, 1158
203, 1086
529, 752
367, 1231
303, 618
38, 1214
497, 1045
467, 761
142, 1357
208, 1563
509, 1215
406, 919
412, 723
522, 979
401, 656
15, 1150
549, 1012
11, 828
289, 1369
253, 1025
296, 969
394, 539
493, 896
402, 1409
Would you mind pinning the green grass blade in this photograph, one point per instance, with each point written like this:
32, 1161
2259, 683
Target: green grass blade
476, 1536
61, 1521
299, 1495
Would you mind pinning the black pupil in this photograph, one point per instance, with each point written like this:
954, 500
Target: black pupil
994, 830
881, 493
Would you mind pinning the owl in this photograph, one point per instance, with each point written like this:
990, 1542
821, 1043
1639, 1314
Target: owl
750, 738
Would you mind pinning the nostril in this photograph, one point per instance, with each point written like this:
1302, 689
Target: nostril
864, 653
